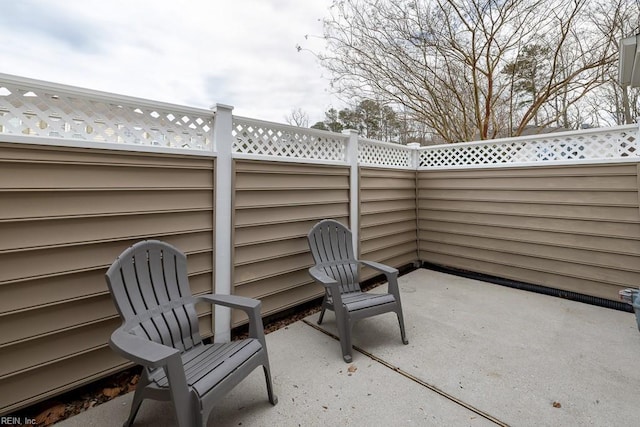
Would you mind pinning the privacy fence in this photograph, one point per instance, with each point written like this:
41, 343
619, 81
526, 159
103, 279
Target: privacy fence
85, 174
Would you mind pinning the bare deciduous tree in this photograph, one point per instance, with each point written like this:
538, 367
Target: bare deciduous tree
454, 65
298, 117
613, 103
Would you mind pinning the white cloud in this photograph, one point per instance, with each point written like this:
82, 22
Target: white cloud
195, 53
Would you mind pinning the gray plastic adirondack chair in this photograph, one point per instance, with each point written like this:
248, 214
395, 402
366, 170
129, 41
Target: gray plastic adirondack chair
149, 285
337, 270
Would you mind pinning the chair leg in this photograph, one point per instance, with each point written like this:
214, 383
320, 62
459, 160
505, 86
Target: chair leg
204, 417
344, 332
138, 397
186, 405
273, 399
321, 315
402, 331
188, 416
324, 308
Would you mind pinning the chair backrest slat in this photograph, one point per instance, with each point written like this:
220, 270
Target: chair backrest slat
332, 250
132, 286
190, 327
168, 270
159, 285
147, 277
156, 275
155, 333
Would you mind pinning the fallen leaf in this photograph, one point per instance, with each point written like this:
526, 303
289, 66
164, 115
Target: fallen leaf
111, 391
557, 405
51, 415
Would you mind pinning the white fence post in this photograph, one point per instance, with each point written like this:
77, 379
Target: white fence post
222, 143
415, 155
354, 188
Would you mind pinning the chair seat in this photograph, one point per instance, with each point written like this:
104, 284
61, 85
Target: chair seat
358, 300
206, 365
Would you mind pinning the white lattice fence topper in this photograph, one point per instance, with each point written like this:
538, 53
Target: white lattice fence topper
35, 108
378, 153
619, 142
253, 137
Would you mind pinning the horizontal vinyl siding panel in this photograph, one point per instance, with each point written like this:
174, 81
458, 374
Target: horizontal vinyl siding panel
623, 230
585, 286
64, 177
609, 245
49, 204
205, 323
584, 198
32, 153
607, 276
54, 261
406, 239
66, 213
272, 267
616, 268
24, 294
266, 198
400, 259
387, 218
288, 168
275, 284
589, 183
383, 194
384, 229
379, 218
270, 250
517, 173
276, 215
58, 232
273, 232
23, 356
275, 207
50, 380
574, 228
276, 303
46, 320
388, 206
282, 181
538, 210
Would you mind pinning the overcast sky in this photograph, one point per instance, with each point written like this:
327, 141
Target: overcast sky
192, 52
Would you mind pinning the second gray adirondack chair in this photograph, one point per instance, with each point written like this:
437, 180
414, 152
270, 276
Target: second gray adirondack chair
150, 288
337, 270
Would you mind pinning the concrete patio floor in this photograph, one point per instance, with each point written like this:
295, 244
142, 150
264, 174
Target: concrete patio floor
479, 354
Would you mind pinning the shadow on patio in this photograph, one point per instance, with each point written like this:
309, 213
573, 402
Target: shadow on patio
479, 354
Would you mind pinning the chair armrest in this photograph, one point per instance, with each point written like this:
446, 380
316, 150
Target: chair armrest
322, 277
250, 306
380, 267
330, 284
140, 350
390, 273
